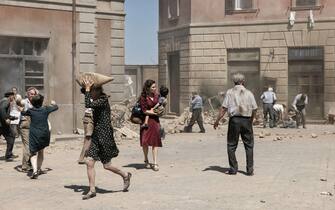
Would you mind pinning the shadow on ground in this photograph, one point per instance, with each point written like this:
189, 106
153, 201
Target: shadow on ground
216, 168
85, 189
138, 166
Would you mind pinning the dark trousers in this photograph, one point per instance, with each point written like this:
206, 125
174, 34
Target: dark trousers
196, 117
240, 126
268, 109
10, 139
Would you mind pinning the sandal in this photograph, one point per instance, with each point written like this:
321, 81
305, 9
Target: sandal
155, 167
147, 164
89, 195
126, 182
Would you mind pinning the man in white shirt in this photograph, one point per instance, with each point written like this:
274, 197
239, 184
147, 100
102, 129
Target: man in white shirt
241, 106
269, 98
24, 129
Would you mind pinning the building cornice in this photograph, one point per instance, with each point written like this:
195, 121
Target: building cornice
238, 23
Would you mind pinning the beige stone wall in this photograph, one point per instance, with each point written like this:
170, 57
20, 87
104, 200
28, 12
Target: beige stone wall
53, 19
206, 58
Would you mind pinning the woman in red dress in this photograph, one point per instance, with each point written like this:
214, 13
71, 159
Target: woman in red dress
150, 136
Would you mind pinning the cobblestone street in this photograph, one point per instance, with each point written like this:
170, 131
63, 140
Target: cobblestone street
290, 173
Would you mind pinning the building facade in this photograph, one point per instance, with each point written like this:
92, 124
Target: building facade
36, 50
288, 44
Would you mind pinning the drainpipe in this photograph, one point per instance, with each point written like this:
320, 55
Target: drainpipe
74, 46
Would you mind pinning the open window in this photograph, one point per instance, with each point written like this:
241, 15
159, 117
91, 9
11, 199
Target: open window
173, 9
305, 4
238, 6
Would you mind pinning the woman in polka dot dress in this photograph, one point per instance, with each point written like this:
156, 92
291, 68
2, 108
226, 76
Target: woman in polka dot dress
103, 146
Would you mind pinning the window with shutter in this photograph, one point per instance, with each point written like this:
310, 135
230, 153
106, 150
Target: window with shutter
173, 9
304, 3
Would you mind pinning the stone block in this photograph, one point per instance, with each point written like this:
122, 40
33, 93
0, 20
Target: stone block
331, 41
87, 67
117, 33
117, 51
323, 36
329, 57
259, 40
197, 52
87, 48
289, 39
87, 28
228, 41
196, 67
243, 39
87, 57
203, 59
297, 38
197, 38
117, 60
87, 17
117, 42
236, 40
212, 52
330, 65
277, 35
251, 40
116, 24
213, 67
87, 38
218, 45
213, 37
117, 69
329, 49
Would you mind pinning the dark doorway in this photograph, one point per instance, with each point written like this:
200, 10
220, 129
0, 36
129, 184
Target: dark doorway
305, 74
10, 71
174, 78
246, 62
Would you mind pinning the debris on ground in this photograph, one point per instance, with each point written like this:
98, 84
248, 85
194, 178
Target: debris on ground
323, 179
326, 193
313, 135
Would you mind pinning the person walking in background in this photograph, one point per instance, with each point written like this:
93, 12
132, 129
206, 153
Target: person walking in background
103, 146
24, 129
39, 133
241, 106
196, 106
299, 104
88, 131
5, 128
150, 136
269, 98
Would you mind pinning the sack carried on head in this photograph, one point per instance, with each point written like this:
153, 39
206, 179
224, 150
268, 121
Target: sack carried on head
98, 79
136, 114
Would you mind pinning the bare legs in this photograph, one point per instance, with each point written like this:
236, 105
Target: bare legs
86, 146
154, 156
108, 166
36, 162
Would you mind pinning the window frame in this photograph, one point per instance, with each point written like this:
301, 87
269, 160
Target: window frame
295, 7
235, 10
170, 17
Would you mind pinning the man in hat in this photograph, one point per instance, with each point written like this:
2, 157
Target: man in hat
5, 128
196, 108
241, 106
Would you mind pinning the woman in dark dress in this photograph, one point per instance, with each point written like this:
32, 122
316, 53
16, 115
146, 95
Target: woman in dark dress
103, 146
39, 133
150, 136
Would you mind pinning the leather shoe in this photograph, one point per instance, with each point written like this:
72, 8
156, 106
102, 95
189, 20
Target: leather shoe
231, 172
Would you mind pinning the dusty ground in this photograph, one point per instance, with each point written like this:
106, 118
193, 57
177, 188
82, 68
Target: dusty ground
288, 175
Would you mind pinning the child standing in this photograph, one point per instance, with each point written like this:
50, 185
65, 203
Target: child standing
159, 108
39, 133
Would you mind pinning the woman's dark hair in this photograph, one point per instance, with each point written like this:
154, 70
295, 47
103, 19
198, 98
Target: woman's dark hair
37, 100
82, 90
163, 91
146, 87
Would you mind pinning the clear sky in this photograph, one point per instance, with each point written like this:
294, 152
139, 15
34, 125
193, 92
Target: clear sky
141, 31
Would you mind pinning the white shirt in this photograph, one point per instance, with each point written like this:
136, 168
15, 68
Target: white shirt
278, 108
239, 101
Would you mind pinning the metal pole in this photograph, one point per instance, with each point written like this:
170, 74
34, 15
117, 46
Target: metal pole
74, 46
